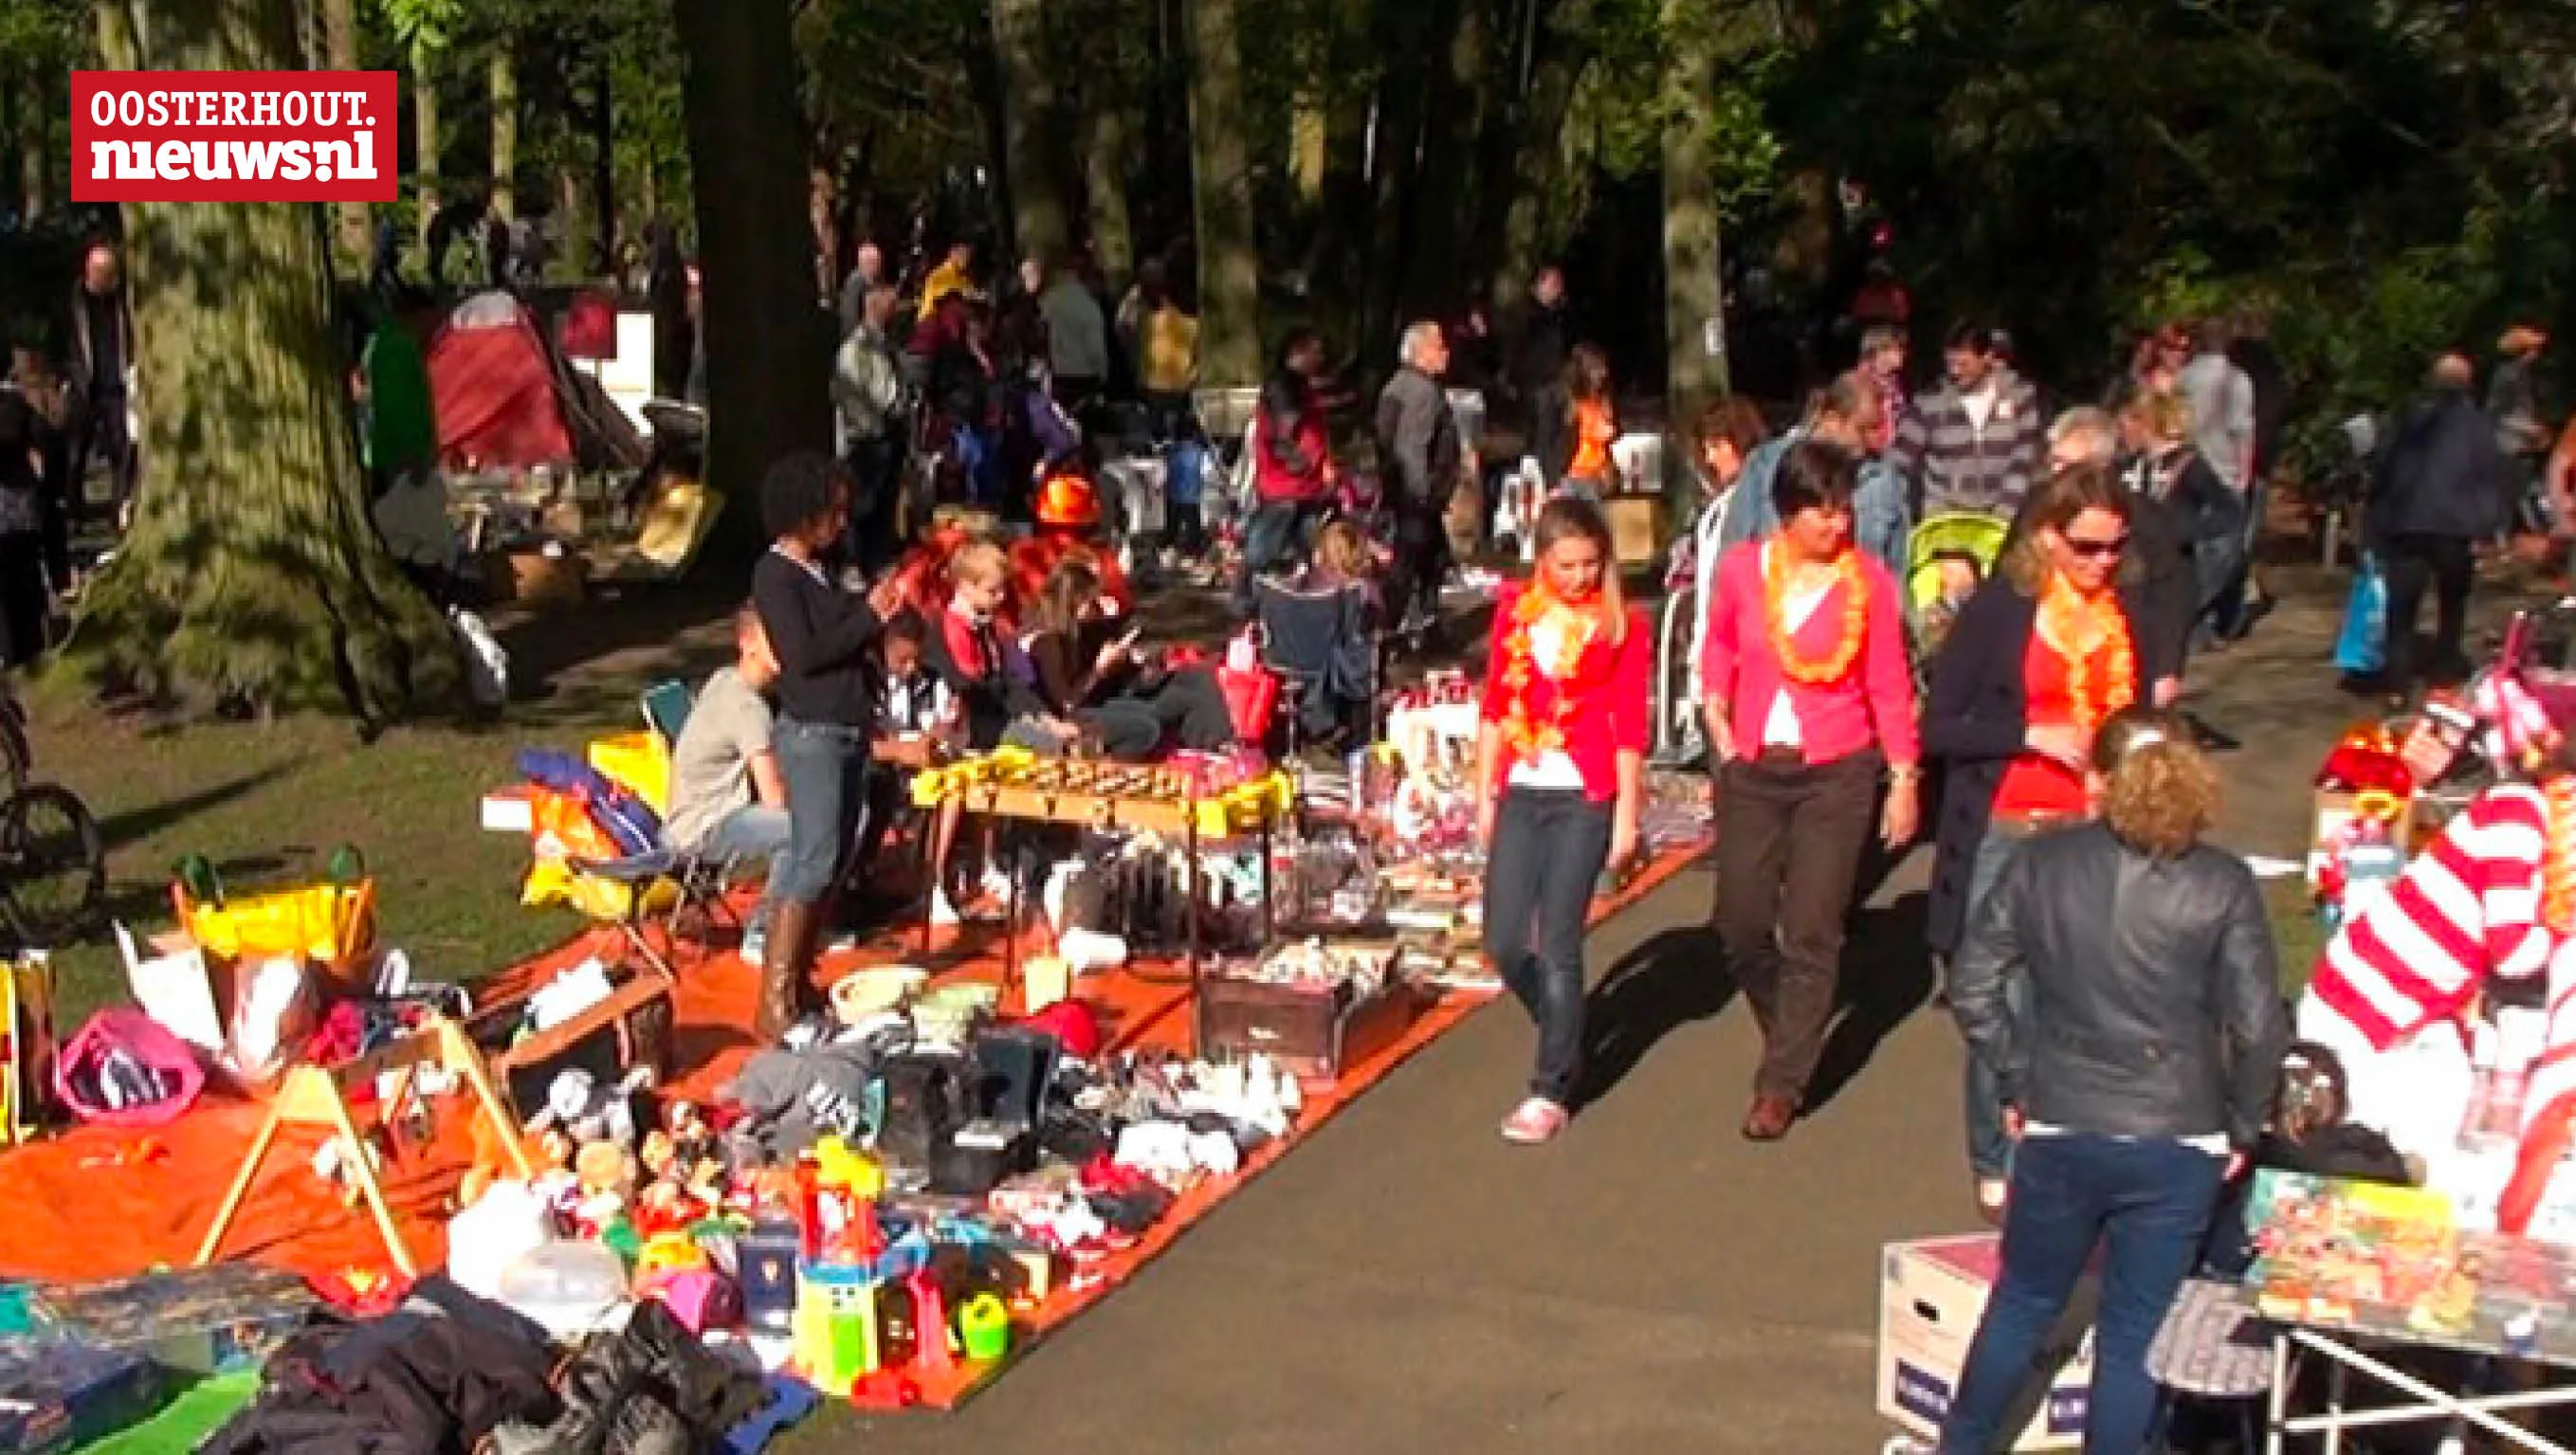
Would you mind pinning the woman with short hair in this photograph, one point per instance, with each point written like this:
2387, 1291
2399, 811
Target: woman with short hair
1810, 703
2135, 1069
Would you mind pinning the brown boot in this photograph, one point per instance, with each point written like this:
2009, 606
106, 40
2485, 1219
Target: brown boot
790, 953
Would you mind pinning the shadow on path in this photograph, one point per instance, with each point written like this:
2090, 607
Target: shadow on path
1672, 979
1887, 977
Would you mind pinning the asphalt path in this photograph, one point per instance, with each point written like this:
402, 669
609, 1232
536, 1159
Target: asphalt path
1407, 1283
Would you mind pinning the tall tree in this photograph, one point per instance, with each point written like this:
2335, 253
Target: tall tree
1694, 293
1033, 156
1111, 119
504, 77
340, 44
1444, 201
425, 130
1221, 193
251, 570
768, 344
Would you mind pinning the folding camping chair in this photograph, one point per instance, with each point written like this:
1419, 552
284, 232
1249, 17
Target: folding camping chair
700, 881
1323, 646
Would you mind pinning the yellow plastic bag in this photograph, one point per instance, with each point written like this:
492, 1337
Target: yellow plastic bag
638, 763
330, 924
552, 881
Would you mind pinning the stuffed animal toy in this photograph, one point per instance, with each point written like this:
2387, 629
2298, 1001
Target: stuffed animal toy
589, 1112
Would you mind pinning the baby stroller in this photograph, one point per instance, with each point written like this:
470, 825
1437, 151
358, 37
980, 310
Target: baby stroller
1950, 553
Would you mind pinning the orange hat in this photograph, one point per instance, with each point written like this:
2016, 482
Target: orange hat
1068, 499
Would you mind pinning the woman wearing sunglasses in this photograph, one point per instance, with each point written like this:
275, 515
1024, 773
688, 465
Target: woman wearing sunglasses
2038, 660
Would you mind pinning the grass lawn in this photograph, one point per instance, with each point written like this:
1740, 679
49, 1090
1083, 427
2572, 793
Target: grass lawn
267, 803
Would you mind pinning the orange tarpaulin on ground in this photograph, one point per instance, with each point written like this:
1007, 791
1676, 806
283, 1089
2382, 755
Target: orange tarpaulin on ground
96, 1203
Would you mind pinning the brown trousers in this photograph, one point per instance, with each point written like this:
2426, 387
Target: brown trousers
1789, 843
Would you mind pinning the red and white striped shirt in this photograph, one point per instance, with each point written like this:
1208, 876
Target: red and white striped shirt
2466, 908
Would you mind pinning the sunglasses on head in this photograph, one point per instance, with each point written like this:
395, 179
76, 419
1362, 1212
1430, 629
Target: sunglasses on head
2098, 550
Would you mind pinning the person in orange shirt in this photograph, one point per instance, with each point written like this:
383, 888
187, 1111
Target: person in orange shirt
2044, 653
1588, 471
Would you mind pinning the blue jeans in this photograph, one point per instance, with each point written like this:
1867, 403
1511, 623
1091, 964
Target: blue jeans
1989, 1150
753, 831
979, 459
826, 770
2148, 1203
1278, 532
1549, 846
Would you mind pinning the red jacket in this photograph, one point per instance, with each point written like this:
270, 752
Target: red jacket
1599, 710
1293, 453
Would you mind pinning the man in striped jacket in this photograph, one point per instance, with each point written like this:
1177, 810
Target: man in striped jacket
1977, 443
2393, 989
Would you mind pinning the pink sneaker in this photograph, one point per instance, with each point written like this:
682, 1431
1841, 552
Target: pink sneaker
1535, 1120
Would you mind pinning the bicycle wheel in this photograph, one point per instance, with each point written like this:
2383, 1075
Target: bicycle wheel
53, 865
17, 759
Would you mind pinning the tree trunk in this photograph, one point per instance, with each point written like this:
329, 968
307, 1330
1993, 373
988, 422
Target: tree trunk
1396, 152
1308, 131
1221, 194
1694, 293
823, 220
603, 162
340, 43
36, 142
1444, 197
1032, 157
1104, 158
425, 137
1530, 172
251, 570
505, 128
767, 344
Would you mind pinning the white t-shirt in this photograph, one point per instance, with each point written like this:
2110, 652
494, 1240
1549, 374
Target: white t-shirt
1980, 404
1780, 724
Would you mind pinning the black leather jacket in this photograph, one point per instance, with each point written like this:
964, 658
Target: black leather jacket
2154, 1006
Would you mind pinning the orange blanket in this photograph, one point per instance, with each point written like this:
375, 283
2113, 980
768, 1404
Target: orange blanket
84, 1206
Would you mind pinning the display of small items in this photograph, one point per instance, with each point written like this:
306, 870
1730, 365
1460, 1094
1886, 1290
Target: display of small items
1360, 967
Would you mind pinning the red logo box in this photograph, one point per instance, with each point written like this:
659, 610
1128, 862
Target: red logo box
234, 136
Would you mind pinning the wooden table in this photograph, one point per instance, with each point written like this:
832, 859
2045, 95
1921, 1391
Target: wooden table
1189, 818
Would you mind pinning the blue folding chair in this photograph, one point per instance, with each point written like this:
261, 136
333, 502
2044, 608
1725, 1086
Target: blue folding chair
701, 882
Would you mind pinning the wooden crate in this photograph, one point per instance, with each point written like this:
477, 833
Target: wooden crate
1314, 1034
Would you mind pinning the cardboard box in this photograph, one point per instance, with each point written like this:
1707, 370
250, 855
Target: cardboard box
1635, 527
58, 1394
1930, 1295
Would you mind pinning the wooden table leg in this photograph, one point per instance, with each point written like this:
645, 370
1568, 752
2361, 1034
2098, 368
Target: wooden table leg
242, 1180
362, 1167
1197, 883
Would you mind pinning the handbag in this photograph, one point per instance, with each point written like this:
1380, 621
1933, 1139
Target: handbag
123, 1070
2361, 649
2212, 1344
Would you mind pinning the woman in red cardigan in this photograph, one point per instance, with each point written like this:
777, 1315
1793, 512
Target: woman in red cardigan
1810, 702
1559, 768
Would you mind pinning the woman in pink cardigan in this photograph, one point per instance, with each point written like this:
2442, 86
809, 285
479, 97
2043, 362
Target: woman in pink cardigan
1810, 703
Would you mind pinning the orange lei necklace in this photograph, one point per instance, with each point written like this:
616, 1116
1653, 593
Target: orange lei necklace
2558, 856
1834, 665
2078, 629
1524, 737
